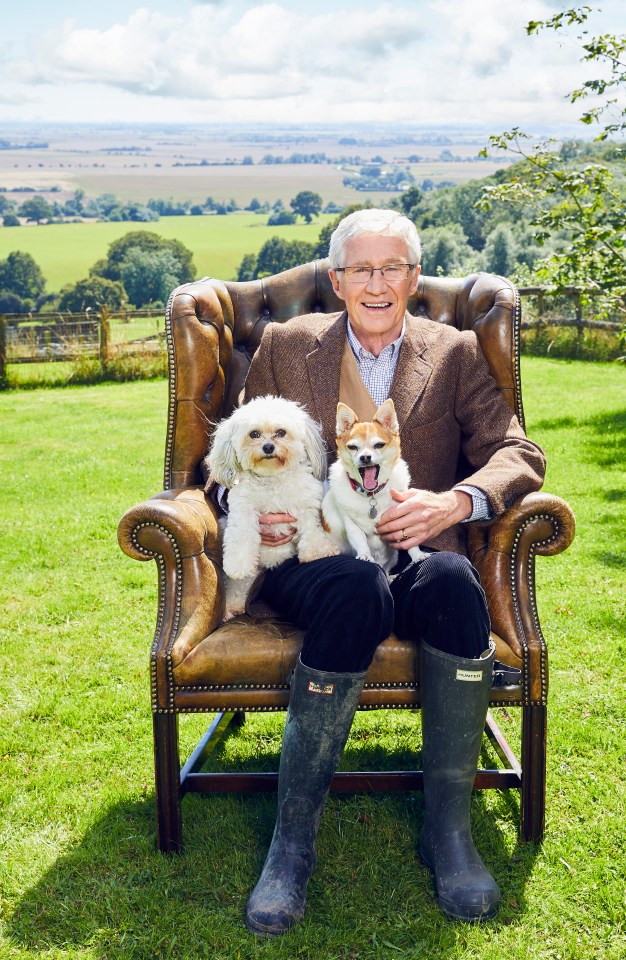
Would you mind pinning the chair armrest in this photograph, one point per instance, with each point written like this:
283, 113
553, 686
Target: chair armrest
503, 551
179, 529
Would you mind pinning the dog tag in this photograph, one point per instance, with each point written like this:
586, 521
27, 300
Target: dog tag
373, 510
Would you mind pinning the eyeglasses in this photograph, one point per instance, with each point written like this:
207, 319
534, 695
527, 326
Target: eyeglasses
391, 272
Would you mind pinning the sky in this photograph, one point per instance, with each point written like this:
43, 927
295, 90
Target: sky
328, 61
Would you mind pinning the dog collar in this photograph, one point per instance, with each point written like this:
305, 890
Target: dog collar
361, 489
373, 512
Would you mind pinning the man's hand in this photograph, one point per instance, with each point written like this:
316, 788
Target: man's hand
270, 537
420, 515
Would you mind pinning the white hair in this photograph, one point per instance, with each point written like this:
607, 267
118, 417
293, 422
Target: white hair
387, 223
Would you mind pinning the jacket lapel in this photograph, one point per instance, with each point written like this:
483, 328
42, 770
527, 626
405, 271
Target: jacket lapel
324, 370
412, 373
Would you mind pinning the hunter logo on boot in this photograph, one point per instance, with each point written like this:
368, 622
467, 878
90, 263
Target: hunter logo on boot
328, 688
469, 675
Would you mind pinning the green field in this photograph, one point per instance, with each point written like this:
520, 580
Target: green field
66, 251
80, 878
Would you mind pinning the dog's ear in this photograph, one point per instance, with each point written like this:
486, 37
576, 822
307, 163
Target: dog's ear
346, 418
386, 416
314, 448
222, 461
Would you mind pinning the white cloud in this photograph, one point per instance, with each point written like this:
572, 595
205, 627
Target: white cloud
446, 60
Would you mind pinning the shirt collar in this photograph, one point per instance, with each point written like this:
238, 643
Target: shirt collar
360, 352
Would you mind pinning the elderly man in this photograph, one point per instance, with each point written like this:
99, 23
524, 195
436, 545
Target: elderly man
450, 412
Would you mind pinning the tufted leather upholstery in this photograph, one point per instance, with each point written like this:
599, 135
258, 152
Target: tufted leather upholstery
213, 330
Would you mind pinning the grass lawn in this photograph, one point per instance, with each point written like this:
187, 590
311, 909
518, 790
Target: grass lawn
66, 251
79, 875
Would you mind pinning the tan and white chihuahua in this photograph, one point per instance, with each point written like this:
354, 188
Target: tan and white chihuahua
368, 467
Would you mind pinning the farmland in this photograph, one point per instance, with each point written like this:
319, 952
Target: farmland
184, 163
66, 251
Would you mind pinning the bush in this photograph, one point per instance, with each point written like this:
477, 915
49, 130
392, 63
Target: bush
569, 343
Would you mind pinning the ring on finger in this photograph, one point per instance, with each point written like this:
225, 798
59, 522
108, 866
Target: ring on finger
404, 535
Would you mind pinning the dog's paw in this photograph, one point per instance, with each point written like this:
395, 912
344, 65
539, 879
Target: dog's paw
367, 557
239, 571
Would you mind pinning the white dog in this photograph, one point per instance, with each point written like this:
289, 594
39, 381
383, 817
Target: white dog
270, 455
369, 465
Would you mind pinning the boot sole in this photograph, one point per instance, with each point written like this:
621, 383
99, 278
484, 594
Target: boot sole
264, 931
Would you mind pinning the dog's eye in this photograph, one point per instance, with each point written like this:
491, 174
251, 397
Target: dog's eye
280, 433
352, 446
254, 434
379, 445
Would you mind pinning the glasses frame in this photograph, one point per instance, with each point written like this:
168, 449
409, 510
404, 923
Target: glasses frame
372, 270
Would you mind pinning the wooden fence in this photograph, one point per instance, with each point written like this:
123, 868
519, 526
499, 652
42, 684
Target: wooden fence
37, 338
66, 336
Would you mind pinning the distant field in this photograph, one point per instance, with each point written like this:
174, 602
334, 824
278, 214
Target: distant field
265, 182
65, 252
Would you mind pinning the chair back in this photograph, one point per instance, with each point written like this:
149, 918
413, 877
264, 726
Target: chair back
213, 329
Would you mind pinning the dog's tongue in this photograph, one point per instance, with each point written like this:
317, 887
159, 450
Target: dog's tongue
370, 476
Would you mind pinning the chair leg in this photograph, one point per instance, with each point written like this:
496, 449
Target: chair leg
167, 782
534, 723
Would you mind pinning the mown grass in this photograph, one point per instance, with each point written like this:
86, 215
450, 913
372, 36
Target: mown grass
66, 251
79, 874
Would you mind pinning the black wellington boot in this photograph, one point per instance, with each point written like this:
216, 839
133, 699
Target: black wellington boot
321, 709
455, 698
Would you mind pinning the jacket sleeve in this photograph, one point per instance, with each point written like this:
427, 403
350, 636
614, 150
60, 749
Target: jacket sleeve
501, 460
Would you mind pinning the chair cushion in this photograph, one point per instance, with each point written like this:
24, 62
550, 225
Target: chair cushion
267, 649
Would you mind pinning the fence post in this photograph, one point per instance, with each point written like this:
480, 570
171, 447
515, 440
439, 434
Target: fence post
3, 351
105, 335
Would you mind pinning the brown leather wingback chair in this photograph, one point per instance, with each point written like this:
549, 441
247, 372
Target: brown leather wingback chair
213, 330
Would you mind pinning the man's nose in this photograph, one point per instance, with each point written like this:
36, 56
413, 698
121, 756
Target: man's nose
376, 281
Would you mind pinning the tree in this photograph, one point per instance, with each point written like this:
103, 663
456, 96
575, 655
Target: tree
150, 275
281, 218
20, 274
37, 209
10, 220
148, 242
582, 202
11, 303
275, 256
446, 252
92, 293
500, 251
306, 204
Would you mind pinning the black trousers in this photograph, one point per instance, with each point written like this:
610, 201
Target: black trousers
347, 607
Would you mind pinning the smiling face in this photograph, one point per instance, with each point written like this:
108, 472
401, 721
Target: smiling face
376, 307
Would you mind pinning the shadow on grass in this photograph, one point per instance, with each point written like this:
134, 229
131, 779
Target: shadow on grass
114, 894
606, 445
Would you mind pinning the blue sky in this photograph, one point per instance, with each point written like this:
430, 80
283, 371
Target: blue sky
429, 61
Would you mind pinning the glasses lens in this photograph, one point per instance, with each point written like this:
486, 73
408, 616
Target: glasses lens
395, 271
357, 274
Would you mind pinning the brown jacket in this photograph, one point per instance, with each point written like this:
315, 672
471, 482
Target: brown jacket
455, 427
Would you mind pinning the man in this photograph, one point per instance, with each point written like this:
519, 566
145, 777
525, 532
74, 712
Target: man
448, 408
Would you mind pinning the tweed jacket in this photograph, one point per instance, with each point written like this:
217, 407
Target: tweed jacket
455, 427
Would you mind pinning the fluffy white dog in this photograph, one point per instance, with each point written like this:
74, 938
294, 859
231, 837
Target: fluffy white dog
270, 455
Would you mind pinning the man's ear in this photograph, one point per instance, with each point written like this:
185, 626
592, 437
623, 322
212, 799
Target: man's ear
416, 276
334, 279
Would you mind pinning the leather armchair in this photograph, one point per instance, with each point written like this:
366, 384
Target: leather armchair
198, 665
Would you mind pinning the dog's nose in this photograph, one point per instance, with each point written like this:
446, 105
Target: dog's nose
365, 458
268, 448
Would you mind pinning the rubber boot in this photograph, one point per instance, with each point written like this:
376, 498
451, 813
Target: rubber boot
455, 698
321, 709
